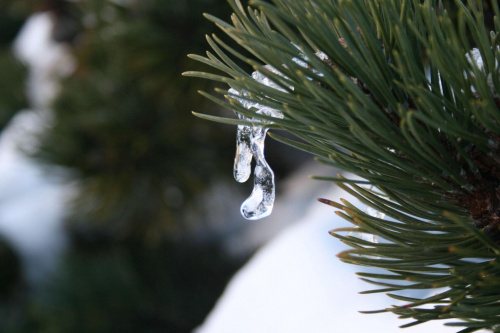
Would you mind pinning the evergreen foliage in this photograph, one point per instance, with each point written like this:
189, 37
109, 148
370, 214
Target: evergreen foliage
12, 97
402, 103
129, 287
122, 124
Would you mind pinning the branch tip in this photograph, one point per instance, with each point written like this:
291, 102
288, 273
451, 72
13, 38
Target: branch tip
325, 201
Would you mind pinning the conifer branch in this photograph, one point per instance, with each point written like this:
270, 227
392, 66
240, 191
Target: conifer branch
406, 98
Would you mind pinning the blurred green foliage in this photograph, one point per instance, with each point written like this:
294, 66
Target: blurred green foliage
131, 288
12, 97
12, 72
10, 278
120, 287
123, 120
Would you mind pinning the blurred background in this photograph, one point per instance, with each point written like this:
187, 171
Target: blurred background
118, 212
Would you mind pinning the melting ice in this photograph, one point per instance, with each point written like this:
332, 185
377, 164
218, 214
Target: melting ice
250, 144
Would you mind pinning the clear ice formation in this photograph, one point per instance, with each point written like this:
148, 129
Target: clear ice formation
365, 236
250, 144
373, 212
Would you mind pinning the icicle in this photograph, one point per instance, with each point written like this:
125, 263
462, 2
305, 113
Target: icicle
250, 144
243, 159
242, 168
261, 201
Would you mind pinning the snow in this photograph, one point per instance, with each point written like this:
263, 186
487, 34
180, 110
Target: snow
296, 284
47, 60
32, 203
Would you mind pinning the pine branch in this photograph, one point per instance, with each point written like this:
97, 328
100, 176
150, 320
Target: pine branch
406, 98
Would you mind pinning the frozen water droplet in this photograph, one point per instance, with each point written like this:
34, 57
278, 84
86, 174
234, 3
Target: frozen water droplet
367, 236
250, 144
262, 78
243, 158
373, 212
261, 201
364, 236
